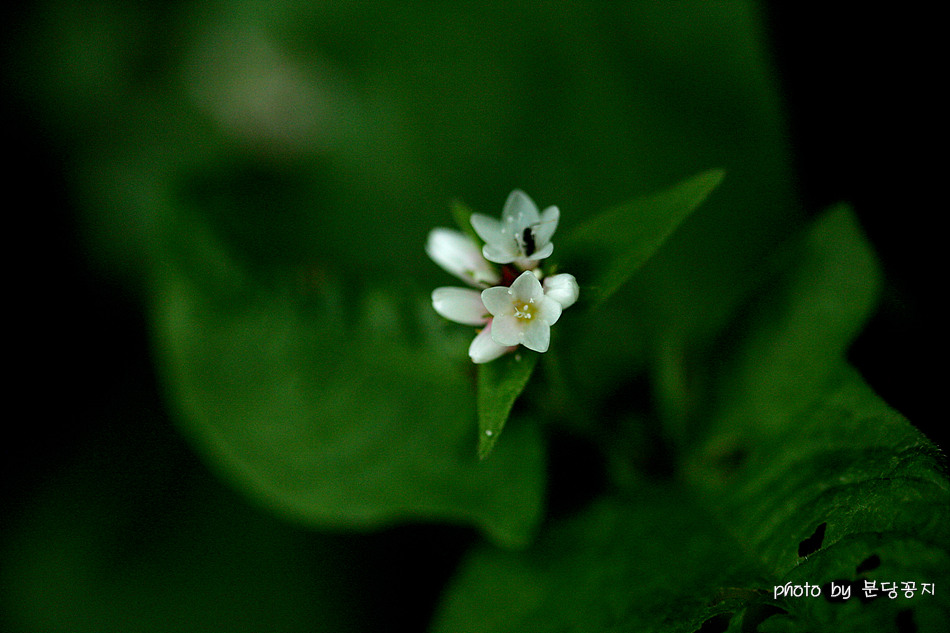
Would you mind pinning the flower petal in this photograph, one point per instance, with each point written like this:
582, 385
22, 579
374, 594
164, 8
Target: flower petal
527, 287
519, 212
501, 252
544, 251
507, 330
537, 335
461, 305
546, 226
484, 349
549, 311
498, 300
489, 229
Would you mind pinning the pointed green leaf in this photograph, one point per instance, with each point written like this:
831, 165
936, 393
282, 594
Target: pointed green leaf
613, 245
819, 292
500, 382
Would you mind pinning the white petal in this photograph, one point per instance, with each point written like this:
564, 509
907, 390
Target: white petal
519, 212
537, 336
487, 228
546, 226
507, 330
459, 255
549, 311
461, 305
544, 251
501, 252
498, 301
562, 288
527, 287
484, 349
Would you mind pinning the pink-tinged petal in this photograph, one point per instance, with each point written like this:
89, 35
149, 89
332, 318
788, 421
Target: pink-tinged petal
537, 336
498, 300
519, 212
461, 305
549, 311
459, 255
527, 287
484, 349
487, 228
507, 330
562, 288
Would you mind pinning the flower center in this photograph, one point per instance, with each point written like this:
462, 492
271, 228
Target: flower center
525, 310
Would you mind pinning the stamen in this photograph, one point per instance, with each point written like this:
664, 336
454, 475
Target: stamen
524, 312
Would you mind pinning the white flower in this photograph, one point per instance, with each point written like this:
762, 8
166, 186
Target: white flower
523, 314
459, 255
523, 236
508, 313
465, 306
562, 288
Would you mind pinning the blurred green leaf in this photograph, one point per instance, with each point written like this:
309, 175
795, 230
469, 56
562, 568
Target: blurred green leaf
820, 289
500, 382
806, 476
617, 242
336, 415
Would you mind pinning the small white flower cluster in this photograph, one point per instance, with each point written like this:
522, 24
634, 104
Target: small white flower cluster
517, 304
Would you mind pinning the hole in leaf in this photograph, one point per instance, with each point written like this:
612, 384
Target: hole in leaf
719, 623
871, 562
813, 543
905, 622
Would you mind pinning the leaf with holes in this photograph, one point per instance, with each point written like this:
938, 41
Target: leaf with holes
804, 476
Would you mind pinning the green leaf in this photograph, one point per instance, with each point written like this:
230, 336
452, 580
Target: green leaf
645, 563
842, 481
820, 290
331, 414
672, 556
500, 382
826, 483
617, 242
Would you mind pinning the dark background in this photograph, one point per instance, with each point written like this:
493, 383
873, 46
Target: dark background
859, 114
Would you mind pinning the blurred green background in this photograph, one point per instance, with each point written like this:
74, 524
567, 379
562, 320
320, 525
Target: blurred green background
318, 143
